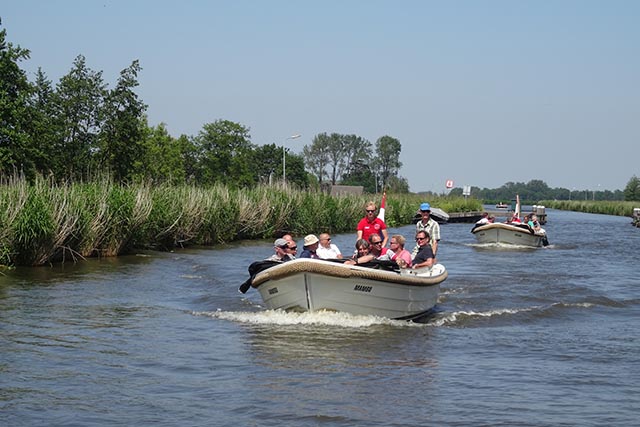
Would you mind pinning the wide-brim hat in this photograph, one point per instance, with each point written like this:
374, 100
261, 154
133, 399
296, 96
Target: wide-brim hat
310, 240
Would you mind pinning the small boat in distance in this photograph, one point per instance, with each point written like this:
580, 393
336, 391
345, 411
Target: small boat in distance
379, 288
502, 206
513, 232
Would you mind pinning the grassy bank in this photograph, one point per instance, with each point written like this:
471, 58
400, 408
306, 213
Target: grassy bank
42, 223
591, 206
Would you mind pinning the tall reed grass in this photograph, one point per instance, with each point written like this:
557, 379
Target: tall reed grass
617, 208
45, 222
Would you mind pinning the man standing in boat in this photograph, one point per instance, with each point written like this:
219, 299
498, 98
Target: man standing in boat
371, 224
429, 225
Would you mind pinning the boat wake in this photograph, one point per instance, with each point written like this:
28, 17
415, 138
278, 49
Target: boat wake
463, 318
284, 318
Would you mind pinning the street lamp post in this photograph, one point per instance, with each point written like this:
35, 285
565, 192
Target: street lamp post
284, 161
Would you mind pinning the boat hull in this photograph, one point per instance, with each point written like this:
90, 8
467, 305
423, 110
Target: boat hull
500, 233
314, 285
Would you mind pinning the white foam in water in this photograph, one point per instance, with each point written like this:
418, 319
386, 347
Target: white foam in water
452, 318
280, 317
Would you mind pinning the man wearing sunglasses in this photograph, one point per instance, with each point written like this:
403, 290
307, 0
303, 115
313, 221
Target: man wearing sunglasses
326, 249
425, 257
372, 225
281, 248
429, 225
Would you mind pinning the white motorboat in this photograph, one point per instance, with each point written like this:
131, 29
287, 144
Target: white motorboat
312, 285
512, 233
509, 234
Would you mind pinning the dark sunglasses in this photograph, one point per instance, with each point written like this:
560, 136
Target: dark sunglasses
292, 248
370, 211
420, 238
376, 243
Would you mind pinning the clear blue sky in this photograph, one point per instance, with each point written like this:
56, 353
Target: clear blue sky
480, 92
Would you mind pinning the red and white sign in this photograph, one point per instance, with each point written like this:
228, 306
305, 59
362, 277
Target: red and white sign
449, 183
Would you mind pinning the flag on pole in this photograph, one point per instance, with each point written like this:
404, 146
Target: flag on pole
381, 211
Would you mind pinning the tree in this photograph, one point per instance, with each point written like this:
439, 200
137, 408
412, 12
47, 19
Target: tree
360, 174
45, 129
316, 156
163, 159
81, 94
268, 163
121, 140
335, 147
388, 158
224, 152
15, 113
632, 190
357, 151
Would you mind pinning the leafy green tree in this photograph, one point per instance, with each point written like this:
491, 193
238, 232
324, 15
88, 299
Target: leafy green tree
397, 185
81, 95
163, 159
267, 161
296, 174
122, 134
361, 174
388, 158
335, 147
357, 151
45, 129
15, 113
632, 190
225, 154
316, 156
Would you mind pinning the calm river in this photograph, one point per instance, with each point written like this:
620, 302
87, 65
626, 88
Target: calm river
544, 337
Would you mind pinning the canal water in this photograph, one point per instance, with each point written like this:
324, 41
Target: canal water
520, 337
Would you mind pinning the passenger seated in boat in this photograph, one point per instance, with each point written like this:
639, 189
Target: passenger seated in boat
535, 224
362, 253
425, 257
292, 250
376, 248
399, 254
484, 219
311, 243
326, 249
280, 247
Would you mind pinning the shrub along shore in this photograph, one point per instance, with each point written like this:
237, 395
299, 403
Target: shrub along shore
43, 223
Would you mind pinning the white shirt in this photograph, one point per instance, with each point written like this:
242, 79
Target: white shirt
331, 252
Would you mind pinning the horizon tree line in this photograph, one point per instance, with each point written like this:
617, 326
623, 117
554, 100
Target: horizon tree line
80, 128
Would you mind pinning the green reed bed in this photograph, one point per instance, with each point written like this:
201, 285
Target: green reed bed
45, 222
618, 208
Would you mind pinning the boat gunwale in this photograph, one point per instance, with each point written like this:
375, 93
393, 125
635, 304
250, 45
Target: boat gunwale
520, 228
328, 268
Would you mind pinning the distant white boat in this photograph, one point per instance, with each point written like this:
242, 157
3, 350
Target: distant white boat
512, 233
502, 206
311, 285
509, 234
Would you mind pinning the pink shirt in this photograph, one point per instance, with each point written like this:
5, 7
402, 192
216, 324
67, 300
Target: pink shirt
405, 255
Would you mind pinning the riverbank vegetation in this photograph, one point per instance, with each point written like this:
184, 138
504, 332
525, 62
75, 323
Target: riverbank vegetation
44, 222
618, 208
